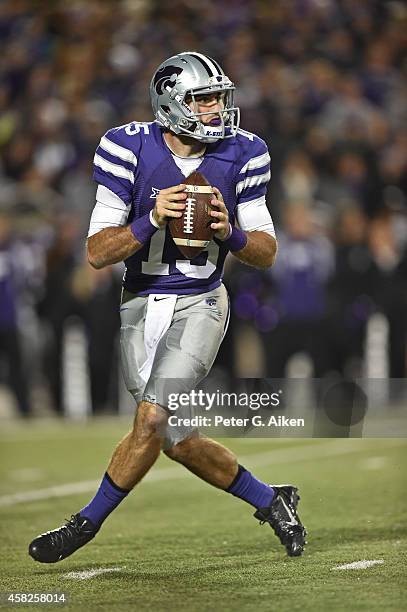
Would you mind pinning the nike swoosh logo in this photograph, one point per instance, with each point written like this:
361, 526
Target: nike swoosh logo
160, 299
292, 520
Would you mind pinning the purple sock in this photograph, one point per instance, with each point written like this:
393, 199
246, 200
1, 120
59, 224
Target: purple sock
253, 491
107, 498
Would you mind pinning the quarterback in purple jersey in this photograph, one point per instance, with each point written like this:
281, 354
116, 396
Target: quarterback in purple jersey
174, 311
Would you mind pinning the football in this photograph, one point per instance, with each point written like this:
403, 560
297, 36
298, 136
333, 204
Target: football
192, 231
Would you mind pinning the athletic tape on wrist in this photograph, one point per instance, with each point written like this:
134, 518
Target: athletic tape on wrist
153, 221
237, 240
229, 232
143, 229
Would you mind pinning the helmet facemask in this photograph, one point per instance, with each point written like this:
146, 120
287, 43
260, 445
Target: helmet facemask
228, 116
174, 88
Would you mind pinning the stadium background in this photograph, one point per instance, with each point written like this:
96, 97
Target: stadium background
321, 81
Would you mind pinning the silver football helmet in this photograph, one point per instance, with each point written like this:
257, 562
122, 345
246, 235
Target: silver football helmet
185, 76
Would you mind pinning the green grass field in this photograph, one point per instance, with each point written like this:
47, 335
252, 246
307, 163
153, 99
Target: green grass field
179, 544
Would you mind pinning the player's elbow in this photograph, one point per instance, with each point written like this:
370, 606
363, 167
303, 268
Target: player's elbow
95, 262
273, 254
266, 262
93, 258
270, 253
270, 261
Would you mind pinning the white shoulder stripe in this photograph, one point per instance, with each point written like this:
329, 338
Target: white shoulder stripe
113, 168
252, 181
248, 135
256, 162
118, 151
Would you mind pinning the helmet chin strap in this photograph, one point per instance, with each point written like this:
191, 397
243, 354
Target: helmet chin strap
209, 133
205, 133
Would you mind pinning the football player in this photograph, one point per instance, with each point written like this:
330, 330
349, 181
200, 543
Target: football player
174, 312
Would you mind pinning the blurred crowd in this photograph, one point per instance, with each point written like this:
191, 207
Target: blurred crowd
322, 81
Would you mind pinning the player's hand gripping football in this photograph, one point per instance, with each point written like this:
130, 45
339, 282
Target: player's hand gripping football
221, 225
170, 202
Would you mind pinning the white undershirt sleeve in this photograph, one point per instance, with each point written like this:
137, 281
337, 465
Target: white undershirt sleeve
109, 211
255, 216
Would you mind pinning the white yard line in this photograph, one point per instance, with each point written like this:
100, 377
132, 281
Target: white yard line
28, 474
86, 574
373, 463
57, 491
308, 452
359, 564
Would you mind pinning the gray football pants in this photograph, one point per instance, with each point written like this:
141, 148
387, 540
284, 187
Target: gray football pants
184, 354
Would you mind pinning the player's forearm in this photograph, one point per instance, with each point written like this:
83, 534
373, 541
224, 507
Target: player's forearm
260, 250
111, 245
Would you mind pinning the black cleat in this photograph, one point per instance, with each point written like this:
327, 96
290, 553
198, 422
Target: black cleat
283, 518
56, 545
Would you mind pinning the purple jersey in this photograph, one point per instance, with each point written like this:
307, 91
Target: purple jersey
134, 162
